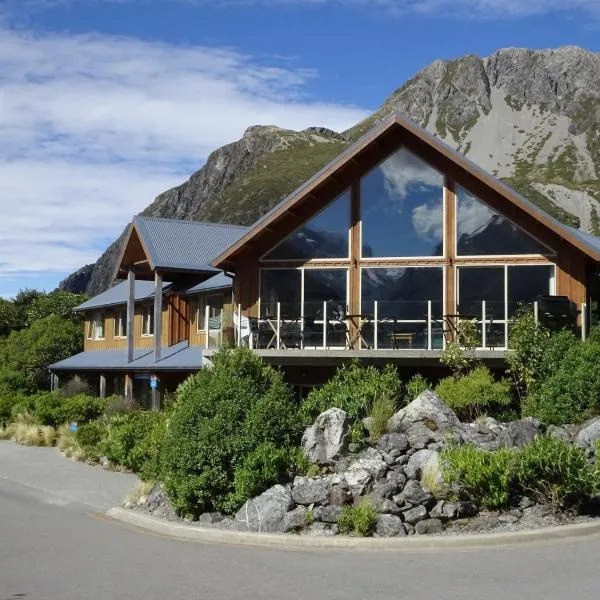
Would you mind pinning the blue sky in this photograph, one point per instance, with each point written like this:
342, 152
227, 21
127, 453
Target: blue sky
104, 104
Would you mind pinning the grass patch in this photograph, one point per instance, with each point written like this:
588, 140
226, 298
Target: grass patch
359, 519
143, 488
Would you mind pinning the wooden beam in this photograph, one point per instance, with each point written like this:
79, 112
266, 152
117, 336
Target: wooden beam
102, 386
158, 296
449, 247
130, 313
355, 251
128, 386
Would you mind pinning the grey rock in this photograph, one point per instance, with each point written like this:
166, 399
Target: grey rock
311, 491
429, 526
353, 447
295, 519
396, 480
466, 509
389, 526
444, 511
589, 433
340, 494
525, 502
267, 511
362, 472
408, 529
428, 408
419, 436
420, 460
559, 433
393, 441
414, 515
520, 433
327, 514
414, 494
384, 505
508, 519
327, 438
323, 529
211, 518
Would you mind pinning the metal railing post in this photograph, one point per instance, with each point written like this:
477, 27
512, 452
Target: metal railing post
278, 325
483, 323
206, 325
239, 326
536, 315
324, 325
429, 340
583, 321
375, 323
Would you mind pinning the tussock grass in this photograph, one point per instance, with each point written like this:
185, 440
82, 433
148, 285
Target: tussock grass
380, 412
66, 441
432, 478
25, 431
142, 489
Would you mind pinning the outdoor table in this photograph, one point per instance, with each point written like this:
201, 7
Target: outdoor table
272, 323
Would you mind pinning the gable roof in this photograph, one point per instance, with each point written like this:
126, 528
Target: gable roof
588, 244
116, 295
180, 245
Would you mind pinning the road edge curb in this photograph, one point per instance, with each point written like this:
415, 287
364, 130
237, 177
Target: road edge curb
193, 533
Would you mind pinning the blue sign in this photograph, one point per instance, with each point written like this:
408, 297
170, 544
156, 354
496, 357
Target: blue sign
153, 382
73, 427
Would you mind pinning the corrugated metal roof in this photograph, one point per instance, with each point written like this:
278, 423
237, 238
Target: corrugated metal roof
144, 290
217, 282
185, 245
174, 358
587, 238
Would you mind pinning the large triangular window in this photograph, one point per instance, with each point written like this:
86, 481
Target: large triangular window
482, 231
326, 235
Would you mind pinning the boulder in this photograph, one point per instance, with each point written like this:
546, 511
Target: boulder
414, 494
211, 518
443, 510
266, 512
323, 529
466, 509
414, 515
327, 439
520, 433
428, 408
482, 436
327, 514
311, 491
559, 433
421, 459
340, 494
389, 526
419, 435
429, 526
393, 441
362, 472
396, 479
295, 519
588, 433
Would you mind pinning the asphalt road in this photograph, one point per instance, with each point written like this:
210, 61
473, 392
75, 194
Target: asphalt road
56, 548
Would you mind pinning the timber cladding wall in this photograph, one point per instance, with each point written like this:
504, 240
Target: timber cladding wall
198, 337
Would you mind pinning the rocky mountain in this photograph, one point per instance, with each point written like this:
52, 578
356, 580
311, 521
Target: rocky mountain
531, 117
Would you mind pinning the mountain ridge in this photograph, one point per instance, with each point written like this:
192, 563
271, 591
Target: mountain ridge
540, 133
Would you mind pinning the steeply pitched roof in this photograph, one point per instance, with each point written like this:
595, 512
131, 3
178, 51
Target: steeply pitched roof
144, 290
184, 245
180, 357
220, 281
583, 242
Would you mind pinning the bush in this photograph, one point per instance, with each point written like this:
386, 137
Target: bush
90, 438
266, 466
134, 441
76, 386
52, 409
570, 391
553, 471
359, 519
352, 389
10, 402
415, 386
475, 394
484, 476
221, 416
382, 408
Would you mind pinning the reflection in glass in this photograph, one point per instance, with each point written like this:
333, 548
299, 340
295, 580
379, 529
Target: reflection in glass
526, 283
402, 208
280, 285
323, 236
329, 286
402, 296
481, 231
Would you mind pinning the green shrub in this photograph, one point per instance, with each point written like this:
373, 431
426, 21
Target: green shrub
22, 405
52, 409
382, 408
352, 389
570, 392
264, 467
134, 441
10, 401
415, 386
486, 477
221, 416
555, 472
90, 438
475, 393
359, 519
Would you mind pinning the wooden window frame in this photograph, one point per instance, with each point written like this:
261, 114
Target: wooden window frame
121, 319
203, 302
148, 317
97, 316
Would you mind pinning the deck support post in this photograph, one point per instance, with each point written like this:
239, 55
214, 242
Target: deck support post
103, 386
158, 297
130, 313
128, 386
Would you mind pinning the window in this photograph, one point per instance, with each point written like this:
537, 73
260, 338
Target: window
326, 235
121, 323
526, 283
283, 286
402, 208
96, 328
215, 307
148, 320
482, 231
402, 295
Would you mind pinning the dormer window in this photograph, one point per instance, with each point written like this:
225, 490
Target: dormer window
148, 320
121, 323
96, 327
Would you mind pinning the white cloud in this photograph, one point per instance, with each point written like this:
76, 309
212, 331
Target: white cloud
93, 128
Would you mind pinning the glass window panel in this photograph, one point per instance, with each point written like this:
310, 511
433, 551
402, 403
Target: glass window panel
283, 286
482, 231
526, 283
324, 236
477, 284
402, 208
402, 295
330, 286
